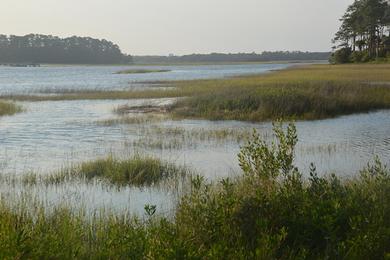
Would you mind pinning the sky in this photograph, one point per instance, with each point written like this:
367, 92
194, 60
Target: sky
162, 27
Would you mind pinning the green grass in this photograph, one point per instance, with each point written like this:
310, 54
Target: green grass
270, 212
137, 171
140, 71
8, 108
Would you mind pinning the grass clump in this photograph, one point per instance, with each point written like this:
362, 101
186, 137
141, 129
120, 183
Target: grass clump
8, 108
136, 171
141, 71
270, 212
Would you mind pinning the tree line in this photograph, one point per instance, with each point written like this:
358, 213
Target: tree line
38, 48
364, 34
233, 57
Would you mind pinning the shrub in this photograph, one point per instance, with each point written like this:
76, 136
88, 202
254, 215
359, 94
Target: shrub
342, 55
273, 212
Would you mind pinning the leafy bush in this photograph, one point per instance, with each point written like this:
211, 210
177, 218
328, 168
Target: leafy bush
342, 55
273, 212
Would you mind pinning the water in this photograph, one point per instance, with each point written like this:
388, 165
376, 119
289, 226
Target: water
51, 135
16, 80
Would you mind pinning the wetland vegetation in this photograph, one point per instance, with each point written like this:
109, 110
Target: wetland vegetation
302, 92
137, 171
270, 211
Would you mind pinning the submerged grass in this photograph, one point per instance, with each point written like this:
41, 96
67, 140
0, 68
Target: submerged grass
171, 138
9, 108
270, 212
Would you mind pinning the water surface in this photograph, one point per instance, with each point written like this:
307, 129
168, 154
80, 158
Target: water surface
51, 135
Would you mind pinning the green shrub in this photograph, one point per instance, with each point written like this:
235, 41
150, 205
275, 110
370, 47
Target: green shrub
273, 212
342, 55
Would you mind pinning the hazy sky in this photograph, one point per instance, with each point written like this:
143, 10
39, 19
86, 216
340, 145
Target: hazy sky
182, 26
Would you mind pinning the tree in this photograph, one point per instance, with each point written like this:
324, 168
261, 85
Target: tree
36, 48
363, 27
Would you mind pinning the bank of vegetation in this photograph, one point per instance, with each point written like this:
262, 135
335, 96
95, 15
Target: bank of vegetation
269, 212
312, 92
364, 34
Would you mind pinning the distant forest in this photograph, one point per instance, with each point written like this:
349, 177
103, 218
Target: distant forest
37, 48
237, 57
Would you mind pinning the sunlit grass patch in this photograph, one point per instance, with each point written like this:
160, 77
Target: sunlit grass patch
312, 92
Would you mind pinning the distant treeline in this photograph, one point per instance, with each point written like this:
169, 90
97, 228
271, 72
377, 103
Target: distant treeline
234, 57
37, 48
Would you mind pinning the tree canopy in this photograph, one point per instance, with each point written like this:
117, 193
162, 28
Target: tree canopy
37, 48
364, 33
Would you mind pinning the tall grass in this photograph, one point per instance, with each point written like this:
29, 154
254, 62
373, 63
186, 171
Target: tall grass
137, 171
270, 212
8, 108
304, 93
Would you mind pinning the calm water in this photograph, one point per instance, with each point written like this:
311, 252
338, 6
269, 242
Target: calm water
15, 80
51, 135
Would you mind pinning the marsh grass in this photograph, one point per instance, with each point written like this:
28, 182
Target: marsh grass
270, 212
9, 108
137, 171
313, 92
